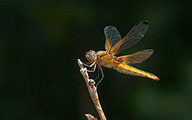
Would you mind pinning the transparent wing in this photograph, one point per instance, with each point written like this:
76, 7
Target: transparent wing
112, 37
134, 36
137, 57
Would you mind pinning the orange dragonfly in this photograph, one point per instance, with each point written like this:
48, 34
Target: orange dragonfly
114, 45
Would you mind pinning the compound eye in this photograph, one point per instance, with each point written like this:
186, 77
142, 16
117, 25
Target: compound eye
92, 55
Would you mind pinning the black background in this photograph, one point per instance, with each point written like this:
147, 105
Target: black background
40, 42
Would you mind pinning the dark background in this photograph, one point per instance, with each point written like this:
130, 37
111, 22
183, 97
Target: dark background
40, 42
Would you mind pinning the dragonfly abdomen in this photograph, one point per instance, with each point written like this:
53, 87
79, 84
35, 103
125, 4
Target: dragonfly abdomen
124, 68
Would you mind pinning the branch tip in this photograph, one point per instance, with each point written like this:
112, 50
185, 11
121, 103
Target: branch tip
90, 117
80, 63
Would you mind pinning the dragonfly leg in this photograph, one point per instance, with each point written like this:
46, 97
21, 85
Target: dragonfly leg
99, 67
87, 64
92, 69
91, 64
97, 74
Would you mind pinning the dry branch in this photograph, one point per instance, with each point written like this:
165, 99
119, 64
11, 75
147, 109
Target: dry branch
92, 91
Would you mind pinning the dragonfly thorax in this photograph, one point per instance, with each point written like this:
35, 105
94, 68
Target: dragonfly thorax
91, 55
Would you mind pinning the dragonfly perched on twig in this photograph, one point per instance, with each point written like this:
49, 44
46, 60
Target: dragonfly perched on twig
114, 45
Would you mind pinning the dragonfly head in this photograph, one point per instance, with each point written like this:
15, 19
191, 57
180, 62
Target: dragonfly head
91, 56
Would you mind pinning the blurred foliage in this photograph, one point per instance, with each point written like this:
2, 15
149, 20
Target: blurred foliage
40, 42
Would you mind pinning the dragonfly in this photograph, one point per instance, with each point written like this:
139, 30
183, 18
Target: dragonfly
114, 45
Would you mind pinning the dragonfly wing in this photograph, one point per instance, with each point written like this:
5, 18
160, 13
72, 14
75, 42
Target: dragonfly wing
137, 57
112, 37
134, 36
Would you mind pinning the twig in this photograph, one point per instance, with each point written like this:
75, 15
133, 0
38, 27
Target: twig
90, 117
92, 91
